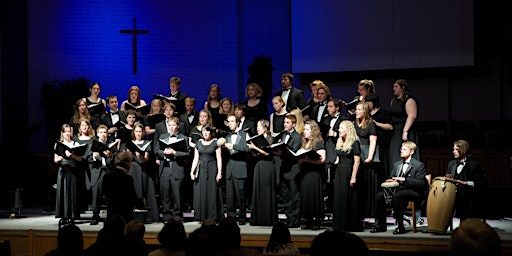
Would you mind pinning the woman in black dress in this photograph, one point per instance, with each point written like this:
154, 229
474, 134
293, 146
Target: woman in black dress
207, 172
312, 171
256, 108
67, 200
367, 133
345, 201
404, 111
264, 204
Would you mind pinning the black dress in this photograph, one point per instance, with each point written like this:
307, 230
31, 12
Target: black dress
345, 201
398, 118
369, 180
207, 192
67, 201
256, 112
264, 204
311, 190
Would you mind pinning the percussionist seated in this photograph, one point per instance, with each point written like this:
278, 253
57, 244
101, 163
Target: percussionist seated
412, 184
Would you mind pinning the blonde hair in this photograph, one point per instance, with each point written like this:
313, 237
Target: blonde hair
256, 88
345, 143
299, 124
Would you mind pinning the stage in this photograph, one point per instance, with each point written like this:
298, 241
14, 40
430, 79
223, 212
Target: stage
33, 232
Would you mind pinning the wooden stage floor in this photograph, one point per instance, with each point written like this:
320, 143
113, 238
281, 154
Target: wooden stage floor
34, 233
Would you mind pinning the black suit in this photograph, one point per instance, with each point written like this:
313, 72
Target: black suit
161, 128
466, 195
107, 121
236, 175
171, 173
289, 186
249, 127
187, 125
412, 189
295, 99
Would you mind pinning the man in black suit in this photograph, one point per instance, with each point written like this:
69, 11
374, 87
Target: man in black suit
289, 170
236, 170
191, 117
469, 179
320, 113
163, 127
112, 118
118, 188
410, 174
171, 171
293, 97
245, 124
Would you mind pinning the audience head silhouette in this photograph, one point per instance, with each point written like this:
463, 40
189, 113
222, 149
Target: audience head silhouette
338, 242
474, 237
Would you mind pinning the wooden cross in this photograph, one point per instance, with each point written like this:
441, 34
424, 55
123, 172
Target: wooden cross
134, 32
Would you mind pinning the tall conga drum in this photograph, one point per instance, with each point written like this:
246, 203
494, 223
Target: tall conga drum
440, 204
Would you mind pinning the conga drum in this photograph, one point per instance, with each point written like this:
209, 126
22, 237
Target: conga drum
440, 204
389, 189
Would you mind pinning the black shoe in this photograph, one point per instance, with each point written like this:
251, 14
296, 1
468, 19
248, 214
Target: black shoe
94, 222
378, 230
399, 230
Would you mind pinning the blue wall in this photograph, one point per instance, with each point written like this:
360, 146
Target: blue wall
201, 42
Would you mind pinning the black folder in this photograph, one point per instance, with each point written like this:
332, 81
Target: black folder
78, 150
142, 109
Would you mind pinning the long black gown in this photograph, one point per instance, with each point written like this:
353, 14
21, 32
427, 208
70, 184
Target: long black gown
207, 192
369, 182
264, 202
311, 190
345, 201
67, 200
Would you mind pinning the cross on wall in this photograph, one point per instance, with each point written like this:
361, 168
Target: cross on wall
134, 32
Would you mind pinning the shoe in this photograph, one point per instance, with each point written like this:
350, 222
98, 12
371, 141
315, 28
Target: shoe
420, 221
94, 222
241, 222
399, 230
378, 230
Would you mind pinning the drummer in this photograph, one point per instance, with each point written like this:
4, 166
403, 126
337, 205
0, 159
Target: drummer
410, 174
468, 174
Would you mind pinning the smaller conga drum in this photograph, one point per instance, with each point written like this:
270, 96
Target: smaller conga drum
389, 189
441, 204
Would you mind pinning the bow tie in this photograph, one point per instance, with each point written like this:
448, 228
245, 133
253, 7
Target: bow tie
114, 113
322, 104
287, 133
173, 136
233, 133
404, 163
190, 114
461, 163
286, 89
